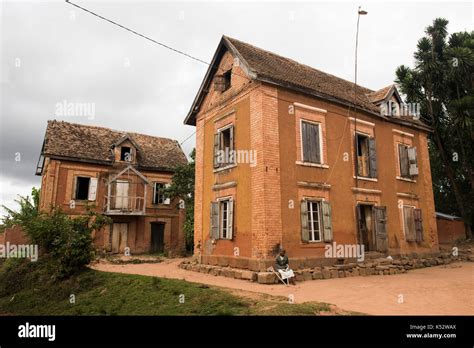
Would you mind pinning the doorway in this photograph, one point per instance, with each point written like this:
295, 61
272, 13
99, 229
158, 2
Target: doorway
366, 226
119, 237
121, 195
157, 237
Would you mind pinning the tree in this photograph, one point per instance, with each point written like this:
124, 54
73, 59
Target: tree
442, 82
182, 187
65, 241
28, 210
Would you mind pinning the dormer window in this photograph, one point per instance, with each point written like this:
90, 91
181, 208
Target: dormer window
125, 154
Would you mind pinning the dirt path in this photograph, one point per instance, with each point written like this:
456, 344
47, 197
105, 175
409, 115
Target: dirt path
441, 290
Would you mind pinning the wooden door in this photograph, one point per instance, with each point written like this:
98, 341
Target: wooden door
157, 237
121, 195
119, 237
380, 225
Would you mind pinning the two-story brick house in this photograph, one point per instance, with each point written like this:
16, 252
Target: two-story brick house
333, 163
122, 175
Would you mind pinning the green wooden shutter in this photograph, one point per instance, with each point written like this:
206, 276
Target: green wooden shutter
216, 149
412, 161
404, 165
360, 224
380, 222
418, 224
230, 224
409, 221
327, 221
372, 158
304, 221
316, 151
215, 220
310, 141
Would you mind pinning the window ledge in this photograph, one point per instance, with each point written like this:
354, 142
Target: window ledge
309, 164
405, 179
366, 178
315, 244
230, 166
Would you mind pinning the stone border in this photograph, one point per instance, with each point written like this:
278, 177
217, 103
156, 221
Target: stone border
380, 266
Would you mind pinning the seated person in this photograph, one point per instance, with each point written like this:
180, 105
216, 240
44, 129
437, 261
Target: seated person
282, 266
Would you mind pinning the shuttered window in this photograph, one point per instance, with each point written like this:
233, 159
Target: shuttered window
224, 147
310, 142
409, 223
316, 222
222, 219
366, 156
159, 196
408, 161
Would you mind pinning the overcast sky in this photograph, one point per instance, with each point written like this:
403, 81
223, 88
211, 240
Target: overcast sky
52, 53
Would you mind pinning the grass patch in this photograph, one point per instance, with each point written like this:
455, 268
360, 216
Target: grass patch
27, 289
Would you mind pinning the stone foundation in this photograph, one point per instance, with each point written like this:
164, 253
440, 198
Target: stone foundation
376, 266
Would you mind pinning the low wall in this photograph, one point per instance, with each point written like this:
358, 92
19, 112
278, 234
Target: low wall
13, 235
378, 266
450, 231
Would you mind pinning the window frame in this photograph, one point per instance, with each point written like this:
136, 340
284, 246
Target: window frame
129, 152
227, 201
76, 183
219, 131
165, 200
309, 203
320, 145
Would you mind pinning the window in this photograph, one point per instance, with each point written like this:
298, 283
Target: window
158, 193
310, 141
408, 161
227, 79
366, 156
224, 207
85, 188
222, 82
125, 154
224, 147
222, 219
316, 222
412, 224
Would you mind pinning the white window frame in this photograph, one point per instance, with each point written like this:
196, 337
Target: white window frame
88, 187
320, 131
228, 200
220, 130
311, 221
166, 200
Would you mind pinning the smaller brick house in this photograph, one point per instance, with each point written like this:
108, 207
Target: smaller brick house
123, 176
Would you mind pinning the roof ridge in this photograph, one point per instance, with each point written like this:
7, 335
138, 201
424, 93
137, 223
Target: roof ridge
111, 129
297, 62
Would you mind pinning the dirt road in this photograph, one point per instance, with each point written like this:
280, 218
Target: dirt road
441, 290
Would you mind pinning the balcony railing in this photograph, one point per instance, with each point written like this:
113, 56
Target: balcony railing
124, 205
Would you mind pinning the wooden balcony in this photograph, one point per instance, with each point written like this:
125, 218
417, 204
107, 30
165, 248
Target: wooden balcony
124, 205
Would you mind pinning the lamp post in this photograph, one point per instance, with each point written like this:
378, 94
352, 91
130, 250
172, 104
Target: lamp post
356, 158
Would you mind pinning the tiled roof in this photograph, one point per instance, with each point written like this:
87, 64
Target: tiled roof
281, 70
379, 95
91, 143
272, 68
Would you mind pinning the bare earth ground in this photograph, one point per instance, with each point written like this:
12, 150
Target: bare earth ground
440, 290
